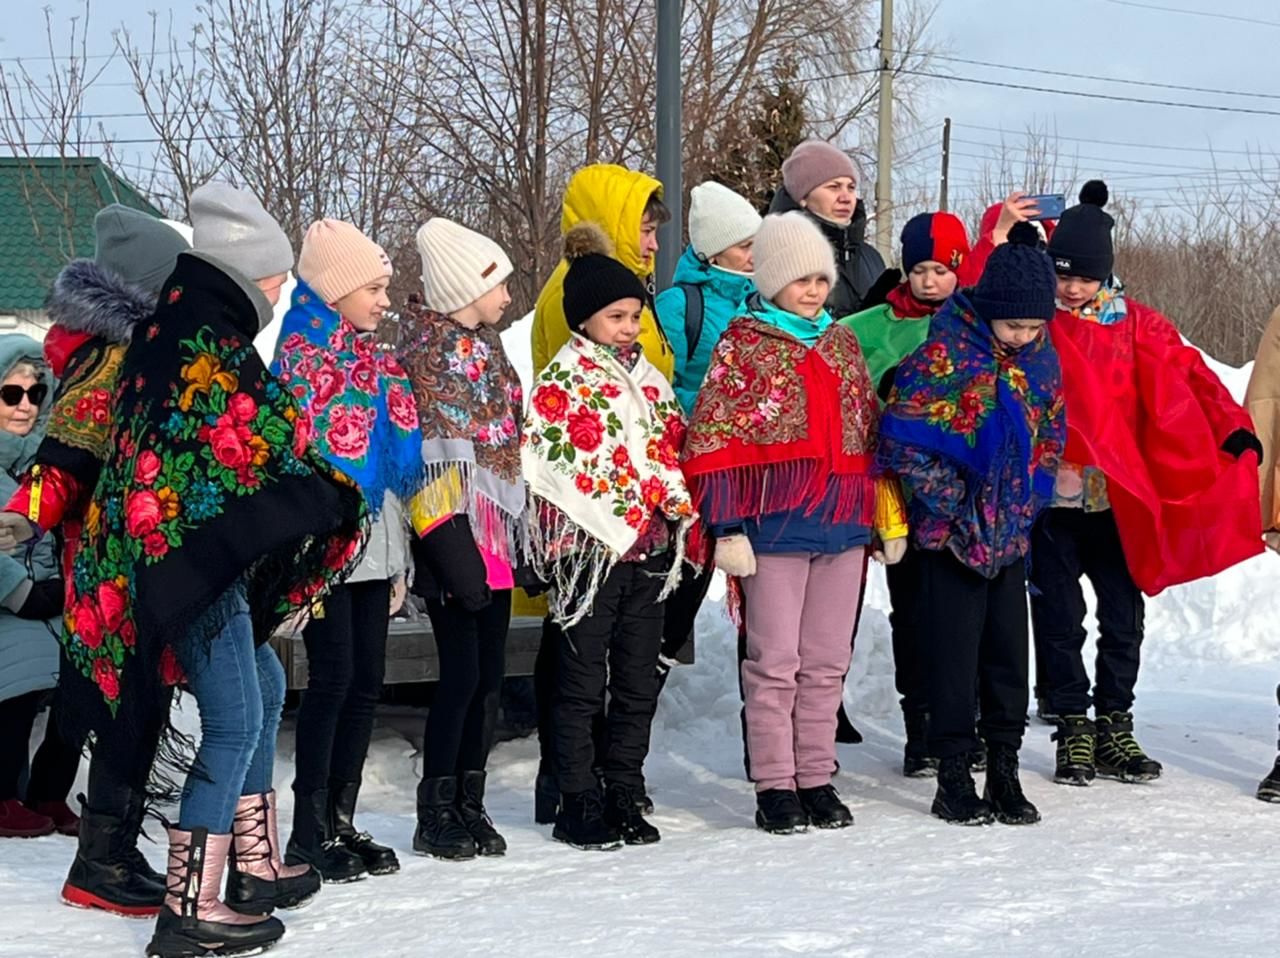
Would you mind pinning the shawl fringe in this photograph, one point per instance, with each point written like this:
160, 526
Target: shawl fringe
755, 490
454, 487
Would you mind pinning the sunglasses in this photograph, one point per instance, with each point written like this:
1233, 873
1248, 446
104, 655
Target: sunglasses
12, 394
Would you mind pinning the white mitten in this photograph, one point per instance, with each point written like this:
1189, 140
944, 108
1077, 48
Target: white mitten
735, 556
892, 551
15, 531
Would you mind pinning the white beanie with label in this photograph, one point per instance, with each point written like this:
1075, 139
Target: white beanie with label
719, 218
458, 265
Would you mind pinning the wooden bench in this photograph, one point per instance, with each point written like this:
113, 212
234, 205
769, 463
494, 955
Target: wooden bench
411, 654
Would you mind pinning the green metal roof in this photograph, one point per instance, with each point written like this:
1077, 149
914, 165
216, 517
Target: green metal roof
47, 205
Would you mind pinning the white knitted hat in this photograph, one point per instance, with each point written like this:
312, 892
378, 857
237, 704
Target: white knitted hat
458, 265
789, 247
719, 218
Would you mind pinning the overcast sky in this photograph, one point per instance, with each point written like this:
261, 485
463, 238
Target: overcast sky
1115, 39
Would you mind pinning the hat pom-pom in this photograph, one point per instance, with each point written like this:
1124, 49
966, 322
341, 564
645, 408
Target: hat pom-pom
586, 239
1095, 193
1024, 234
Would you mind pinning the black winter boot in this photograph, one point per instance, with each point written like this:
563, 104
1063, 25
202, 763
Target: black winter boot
313, 842
1118, 753
1268, 790
916, 761
846, 732
546, 796
622, 813
957, 800
440, 831
779, 812
108, 871
378, 859
1004, 792
258, 882
475, 818
581, 824
823, 808
1076, 738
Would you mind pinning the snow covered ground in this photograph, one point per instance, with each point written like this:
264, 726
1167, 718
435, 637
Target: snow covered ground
1184, 866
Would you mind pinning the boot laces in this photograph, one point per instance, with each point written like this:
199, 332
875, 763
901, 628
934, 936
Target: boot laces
251, 842
183, 881
1079, 744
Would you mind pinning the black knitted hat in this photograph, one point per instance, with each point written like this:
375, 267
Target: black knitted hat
595, 279
1018, 281
1081, 242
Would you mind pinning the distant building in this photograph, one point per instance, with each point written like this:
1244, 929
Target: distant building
47, 205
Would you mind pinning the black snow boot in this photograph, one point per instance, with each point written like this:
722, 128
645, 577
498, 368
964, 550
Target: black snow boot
378, 859
1074, 757
475, 818
1268, 790
108, 871
823, 808
622, 812
957, 800
1004, 792
1119, 755
916, 761
779, 812
313, 842
846, 732
546, 796
581, 824
440, 832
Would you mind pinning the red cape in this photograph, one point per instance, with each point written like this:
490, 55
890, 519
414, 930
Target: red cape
970, 270
1145, 409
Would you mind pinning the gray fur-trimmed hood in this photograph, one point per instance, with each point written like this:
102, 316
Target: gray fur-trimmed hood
88, 299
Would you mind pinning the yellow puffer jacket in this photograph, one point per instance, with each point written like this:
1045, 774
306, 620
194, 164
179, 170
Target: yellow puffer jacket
613, 198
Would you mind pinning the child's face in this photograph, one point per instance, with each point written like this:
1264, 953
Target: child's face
736, 258
492, 305
805, 296
648, 239
363, 308
1076, 291
618, 324
931, 281
1017, 332
834, 200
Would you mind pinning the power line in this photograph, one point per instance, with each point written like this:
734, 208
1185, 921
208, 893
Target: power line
1194, 13
1094, 140
1140, 164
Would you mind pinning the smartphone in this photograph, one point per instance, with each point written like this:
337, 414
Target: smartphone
1050, 205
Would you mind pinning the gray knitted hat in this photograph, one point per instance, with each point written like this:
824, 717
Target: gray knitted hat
231, 226
135, 246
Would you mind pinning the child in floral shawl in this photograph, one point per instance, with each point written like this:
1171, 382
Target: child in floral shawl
974, 428
609, 516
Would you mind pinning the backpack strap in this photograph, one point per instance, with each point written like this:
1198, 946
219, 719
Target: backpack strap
693, 315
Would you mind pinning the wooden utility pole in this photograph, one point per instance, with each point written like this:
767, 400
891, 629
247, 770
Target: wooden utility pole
946, 164
884, 145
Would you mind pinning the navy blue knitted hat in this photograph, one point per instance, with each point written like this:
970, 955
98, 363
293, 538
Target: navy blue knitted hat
1019, 281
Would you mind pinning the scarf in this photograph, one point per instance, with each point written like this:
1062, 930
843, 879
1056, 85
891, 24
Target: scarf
808, 331
963, 409
1107, 307
600, 454
777, 423
906, 305
469, 405
357, 403
210, 484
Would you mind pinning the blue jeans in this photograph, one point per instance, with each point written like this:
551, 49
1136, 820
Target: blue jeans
239, 691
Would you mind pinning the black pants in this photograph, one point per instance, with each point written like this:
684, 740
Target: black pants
1065, 544
123, 755
546, 682
973, 629
682, 607
53, 769
615, 646
346, 661
472, 647
909, 674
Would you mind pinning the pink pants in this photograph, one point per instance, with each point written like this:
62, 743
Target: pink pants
800, 611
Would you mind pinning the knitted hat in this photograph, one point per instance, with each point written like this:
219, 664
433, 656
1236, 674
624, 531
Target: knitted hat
136, 246
789, 247
338, 259
231, 225
719, 218
1081, 242
813, 163
595, 279
458, 265
1018, 281
939, 237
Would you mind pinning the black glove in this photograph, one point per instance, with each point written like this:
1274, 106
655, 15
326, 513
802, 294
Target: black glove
1240, 442
451, 556
45, 601
878, 294
528, 579
885, 386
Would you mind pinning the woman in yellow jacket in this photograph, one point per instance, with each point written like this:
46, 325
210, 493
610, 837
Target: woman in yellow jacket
628, 206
